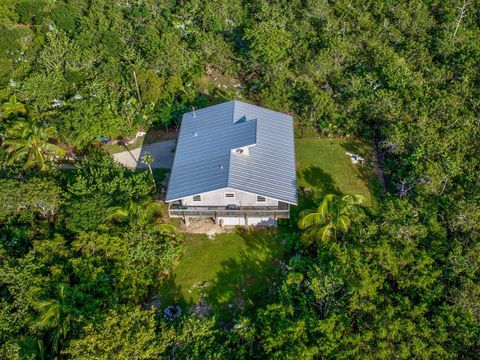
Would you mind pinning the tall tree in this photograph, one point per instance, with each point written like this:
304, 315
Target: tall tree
56, 317
334, 214
27, 140
145, 213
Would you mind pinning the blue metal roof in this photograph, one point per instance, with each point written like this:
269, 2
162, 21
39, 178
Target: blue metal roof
204, 160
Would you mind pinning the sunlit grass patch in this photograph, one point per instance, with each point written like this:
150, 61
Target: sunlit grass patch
323, 166
232, 271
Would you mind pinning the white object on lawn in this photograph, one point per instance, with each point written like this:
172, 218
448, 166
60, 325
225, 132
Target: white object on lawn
355, 158
140, 133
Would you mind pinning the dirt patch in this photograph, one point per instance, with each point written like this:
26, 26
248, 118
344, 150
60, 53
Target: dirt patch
162, 152
205, 226
214, 81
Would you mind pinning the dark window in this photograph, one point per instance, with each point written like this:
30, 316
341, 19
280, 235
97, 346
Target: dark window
197, 198
261, 198
230, 195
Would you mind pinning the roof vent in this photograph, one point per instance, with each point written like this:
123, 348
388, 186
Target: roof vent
195, 134
242, 151
220, 166
193, 111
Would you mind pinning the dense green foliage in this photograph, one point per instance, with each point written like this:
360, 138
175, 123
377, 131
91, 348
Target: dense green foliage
403, 282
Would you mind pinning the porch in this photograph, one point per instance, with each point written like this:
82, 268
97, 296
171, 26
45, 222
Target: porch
177, 210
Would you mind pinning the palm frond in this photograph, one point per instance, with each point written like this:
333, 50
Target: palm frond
311, 219
344, 223
54, 149
308, 237
353, 199
167, 229
15, 154
151, 209
49, 314
14, 143
324, 206
37, 157
117, 213
326, 232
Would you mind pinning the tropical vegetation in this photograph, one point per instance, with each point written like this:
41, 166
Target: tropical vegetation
83, 261
333, 217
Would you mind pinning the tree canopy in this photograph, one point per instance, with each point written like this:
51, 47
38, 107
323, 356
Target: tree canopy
78, 283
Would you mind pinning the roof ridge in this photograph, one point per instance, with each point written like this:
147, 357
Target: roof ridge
230, 154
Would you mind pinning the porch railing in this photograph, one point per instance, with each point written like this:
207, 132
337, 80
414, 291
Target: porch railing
280, 211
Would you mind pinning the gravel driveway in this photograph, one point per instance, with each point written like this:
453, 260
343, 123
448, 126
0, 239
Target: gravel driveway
162, 152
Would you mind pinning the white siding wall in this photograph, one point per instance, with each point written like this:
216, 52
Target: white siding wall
217, 198
233, 221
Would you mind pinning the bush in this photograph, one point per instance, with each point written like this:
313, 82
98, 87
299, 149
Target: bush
31, 11
64, 17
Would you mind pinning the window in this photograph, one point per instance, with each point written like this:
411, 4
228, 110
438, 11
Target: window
197, 198
261, 198
229, 195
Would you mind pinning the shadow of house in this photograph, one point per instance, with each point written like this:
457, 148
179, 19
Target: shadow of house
162, 151
319, 183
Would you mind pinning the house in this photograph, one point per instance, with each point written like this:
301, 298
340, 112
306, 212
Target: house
234, 163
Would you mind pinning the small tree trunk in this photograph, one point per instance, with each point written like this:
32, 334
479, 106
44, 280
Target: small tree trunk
138, 89
461, 14
153, 178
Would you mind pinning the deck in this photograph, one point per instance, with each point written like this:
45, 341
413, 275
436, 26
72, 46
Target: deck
282, 211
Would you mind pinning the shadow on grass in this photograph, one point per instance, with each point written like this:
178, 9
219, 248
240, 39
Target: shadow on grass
320, 184
356, 147
171, 294
249, 281
305, 132
320, 180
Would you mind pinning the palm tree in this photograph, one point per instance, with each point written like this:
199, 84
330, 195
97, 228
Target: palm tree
334, 214
143, 214
55, 316
27, 140
13, 106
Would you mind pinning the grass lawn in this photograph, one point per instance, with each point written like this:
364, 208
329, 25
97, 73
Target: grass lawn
236, 271
232, 271
322, 165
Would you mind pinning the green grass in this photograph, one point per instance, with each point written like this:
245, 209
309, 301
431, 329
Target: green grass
232, 271
323, 166
235, 272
